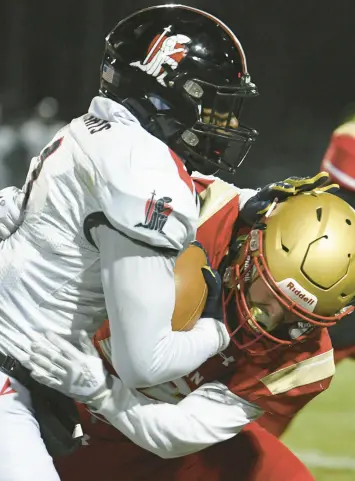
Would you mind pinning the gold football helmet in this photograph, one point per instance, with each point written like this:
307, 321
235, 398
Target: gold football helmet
304, 253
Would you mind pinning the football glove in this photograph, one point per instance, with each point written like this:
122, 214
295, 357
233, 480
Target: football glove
213, 306
61, 366
256, 207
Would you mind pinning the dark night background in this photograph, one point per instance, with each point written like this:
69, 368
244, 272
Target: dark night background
300, 55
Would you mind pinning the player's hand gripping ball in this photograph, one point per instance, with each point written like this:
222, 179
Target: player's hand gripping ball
191, 290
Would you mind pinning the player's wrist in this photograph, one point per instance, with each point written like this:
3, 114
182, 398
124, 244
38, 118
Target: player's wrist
210, 326
97, 401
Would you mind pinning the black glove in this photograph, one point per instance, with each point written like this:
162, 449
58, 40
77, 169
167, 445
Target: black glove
256, 207
213, 306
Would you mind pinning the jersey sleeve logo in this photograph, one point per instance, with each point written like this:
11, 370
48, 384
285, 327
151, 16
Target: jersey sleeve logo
156, 213
164, 50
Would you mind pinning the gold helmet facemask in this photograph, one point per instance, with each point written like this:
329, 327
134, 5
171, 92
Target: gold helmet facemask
304, 252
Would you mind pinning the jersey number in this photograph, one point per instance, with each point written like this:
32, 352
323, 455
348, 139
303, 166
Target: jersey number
47, 152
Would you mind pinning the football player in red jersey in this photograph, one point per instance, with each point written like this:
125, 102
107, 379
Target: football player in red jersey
339, 162
281, 291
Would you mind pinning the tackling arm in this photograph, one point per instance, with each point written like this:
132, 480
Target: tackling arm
209, 415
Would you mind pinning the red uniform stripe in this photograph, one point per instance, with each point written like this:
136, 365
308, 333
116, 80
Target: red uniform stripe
182, 171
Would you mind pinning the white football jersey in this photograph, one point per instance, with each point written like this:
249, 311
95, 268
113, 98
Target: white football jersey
101, 163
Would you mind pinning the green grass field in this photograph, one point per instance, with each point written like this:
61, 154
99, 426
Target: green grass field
323, 435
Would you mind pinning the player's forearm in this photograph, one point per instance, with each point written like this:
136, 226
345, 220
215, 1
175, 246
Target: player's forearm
140, 298
155, 357
207, 416
175, 354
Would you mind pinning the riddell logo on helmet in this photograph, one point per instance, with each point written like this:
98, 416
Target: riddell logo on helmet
297, 293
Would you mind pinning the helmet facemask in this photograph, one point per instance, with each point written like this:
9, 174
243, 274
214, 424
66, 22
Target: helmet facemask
218, 140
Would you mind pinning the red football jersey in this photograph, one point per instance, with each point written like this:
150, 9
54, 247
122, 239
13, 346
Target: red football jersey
282, 382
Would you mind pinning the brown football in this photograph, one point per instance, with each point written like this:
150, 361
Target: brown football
190, 289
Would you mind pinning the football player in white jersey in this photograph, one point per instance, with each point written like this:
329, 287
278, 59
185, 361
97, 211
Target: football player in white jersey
108, 206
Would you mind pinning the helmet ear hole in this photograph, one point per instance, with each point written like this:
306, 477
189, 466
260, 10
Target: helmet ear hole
319, 214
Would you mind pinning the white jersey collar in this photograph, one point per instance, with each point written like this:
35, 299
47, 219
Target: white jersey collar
109, 110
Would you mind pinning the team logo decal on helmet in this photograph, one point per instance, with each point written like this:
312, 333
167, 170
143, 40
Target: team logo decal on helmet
163, 50
156, 213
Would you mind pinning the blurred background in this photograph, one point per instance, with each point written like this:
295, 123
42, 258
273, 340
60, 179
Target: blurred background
300, 55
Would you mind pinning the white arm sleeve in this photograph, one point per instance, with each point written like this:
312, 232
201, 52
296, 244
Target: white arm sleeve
207, 416
139, 288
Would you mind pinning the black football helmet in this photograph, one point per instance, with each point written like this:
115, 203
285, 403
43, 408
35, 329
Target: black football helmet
183, 73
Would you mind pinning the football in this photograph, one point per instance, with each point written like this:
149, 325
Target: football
190, 288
